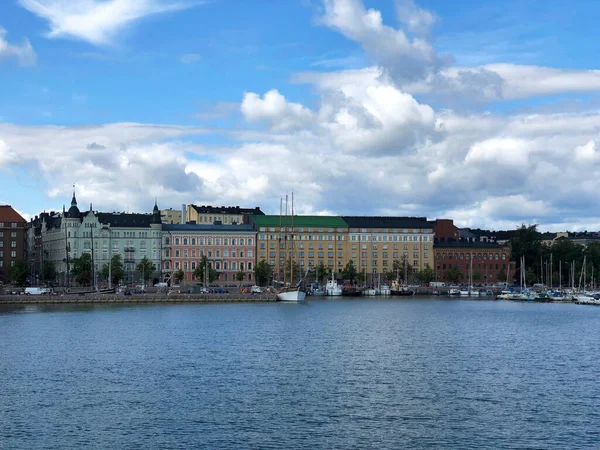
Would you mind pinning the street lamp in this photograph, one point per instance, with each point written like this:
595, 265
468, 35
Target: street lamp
106, 227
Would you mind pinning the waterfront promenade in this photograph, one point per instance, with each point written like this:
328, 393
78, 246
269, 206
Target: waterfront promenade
135, 298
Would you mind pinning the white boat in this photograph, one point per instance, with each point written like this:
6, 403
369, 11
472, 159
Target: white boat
291, 295
454, 292
463, 293
332, 288
385, 290
318, 292
371, 292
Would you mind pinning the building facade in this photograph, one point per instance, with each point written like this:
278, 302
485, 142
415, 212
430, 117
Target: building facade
171, 216
229, 249
372, 243
310, 240
489, 260
13, 233
69, 235
225, 215
376, 242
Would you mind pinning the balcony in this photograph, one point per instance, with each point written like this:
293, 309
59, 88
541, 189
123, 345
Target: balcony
130, 249
128, 259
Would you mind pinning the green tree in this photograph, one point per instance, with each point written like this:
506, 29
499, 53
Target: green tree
178, 275
402, 268
501, 275
81, 269
322, 272
527, 243
117, 272
48, 271
477, 276
530, 276
262, 272
360, 278
388, 276
453, 275
239, 276
349, 272
205, 264
427, 275
18, 272
145, 267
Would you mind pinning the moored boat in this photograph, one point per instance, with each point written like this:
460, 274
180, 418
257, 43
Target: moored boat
291, 295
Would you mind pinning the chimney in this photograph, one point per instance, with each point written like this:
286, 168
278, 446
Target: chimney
183, 212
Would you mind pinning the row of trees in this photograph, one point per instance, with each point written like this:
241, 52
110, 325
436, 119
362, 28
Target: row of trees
563, 252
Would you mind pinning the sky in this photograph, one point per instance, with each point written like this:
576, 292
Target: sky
484, 112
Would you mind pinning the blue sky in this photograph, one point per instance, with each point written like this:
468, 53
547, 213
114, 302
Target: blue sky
183, 72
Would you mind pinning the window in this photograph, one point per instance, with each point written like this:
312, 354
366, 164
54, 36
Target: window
177, 253
185, 241
249, 253
13, 254
193, 241
226, 253
176, 241
193, 265
13, 244
185, 252
13, 225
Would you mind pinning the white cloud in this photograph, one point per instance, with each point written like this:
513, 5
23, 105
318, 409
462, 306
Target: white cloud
404, 57
7, 156
274, 109
24, 53
95, 21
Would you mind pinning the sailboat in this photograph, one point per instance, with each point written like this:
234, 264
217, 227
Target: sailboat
293, 293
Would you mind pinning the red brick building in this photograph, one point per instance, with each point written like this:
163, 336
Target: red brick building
13, 232
489, 257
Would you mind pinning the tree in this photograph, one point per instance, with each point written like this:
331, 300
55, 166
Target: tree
145, 267
360, 278
48, 271
262, 272
477, 276
81, 269
388, 276
527, 243
349, 272
19, 272
501, 275
322, 271
239, 276
402, 267
205, 264
178, 275
453, 275
427, 275
117, 273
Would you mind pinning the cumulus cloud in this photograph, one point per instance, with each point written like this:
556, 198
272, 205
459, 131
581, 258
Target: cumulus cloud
24, 53
406, 58
275, 109
96, 21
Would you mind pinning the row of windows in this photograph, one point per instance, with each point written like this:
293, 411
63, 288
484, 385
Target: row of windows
13, 254
300, 237
13, 234
209, 241
484, 256
12, 224
13, 244
210, 252
301, 229
478, 266
233, 265
393, 238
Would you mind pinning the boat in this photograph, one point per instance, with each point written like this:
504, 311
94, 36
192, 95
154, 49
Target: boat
332, 289
385, 290
351, 291
293, 293
454, 292
371, 291
400, 290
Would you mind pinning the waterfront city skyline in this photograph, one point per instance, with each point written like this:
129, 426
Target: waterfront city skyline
482, 113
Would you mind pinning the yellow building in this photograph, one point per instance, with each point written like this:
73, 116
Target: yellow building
372, 243
170, 216
226, 215
376, 242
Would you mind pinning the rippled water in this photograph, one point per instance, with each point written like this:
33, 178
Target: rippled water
369, 373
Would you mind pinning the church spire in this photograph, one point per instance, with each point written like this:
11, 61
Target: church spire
73, 200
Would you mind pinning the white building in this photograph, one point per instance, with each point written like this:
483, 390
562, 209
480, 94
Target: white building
68, 236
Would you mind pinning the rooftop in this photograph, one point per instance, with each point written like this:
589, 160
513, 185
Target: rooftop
387, 222
301, 221
208, 209
125, 220
192, 227
8, 214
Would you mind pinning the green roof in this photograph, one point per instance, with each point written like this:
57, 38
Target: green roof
301, 221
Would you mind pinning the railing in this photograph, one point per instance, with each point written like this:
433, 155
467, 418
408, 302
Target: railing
129, 249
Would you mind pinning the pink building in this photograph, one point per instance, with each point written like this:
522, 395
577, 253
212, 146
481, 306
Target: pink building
229, 248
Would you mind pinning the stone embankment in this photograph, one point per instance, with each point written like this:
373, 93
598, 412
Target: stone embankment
135, 298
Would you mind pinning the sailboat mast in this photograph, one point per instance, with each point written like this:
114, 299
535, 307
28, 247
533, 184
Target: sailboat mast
560, 275
292, 244
550, 270
285, 243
